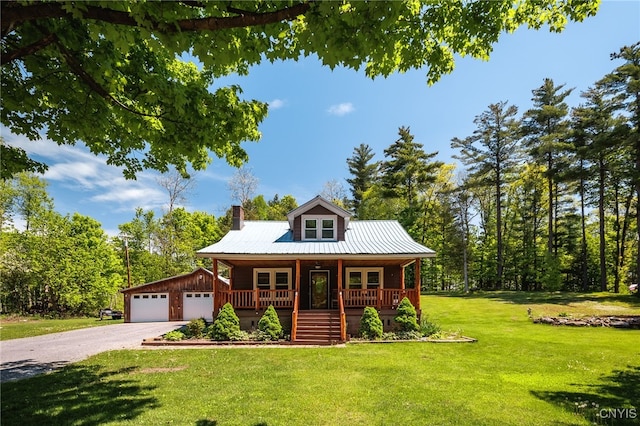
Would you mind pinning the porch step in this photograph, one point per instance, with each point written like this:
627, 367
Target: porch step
318, 328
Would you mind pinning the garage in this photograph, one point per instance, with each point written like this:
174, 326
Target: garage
178, 298
197, 305
150, 307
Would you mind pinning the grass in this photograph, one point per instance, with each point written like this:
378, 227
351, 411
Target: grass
518, 373
17, 327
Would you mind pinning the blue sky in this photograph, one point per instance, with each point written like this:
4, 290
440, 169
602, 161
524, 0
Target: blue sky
317, 116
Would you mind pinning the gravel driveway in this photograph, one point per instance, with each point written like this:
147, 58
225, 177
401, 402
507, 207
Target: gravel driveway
21, 358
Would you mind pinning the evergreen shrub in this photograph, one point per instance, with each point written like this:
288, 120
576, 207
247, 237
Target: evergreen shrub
406, 317
370, 324
269, 325
227, 325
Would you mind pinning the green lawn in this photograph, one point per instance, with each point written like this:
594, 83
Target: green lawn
518, 373
17, 327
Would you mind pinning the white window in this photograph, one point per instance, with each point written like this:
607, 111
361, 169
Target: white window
364, 278
272, 278
319, 227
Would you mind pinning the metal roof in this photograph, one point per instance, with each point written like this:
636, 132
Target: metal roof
378, 238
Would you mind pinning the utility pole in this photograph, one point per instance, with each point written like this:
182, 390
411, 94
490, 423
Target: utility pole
125, 238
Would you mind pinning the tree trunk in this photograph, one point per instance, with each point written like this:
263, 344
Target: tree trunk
583, 249
603, 260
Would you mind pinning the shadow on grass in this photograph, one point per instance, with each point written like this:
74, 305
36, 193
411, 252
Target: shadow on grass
613, 401
27, 368
560, 298
75, 395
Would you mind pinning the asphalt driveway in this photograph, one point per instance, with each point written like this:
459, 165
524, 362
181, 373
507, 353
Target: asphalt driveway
21, 358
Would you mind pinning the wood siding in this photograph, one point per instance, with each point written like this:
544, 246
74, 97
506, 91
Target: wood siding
198, 281
317, 210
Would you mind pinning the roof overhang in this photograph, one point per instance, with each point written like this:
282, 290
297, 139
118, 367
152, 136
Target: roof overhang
262, 257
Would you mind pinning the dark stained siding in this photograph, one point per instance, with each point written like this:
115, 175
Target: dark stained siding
175, 286
317, 210
392, 276
243, 273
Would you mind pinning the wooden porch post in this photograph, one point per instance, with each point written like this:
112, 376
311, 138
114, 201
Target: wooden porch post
418, 283
216, 290
343, 318
298, 273
402, 284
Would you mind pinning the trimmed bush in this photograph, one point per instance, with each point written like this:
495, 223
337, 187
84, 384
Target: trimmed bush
269, 325
227, 325
174, 336
195, 328
406, 318
370, 324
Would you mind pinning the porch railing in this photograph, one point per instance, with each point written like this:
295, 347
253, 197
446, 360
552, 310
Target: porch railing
258, 298
343, 318
381, 298
294, 317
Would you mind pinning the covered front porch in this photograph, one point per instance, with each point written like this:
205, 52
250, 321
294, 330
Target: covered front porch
319, 285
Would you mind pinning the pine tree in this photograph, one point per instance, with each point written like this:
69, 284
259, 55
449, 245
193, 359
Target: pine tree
491, 154
364, 174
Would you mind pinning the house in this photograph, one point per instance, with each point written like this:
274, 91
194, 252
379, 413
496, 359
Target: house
184, 297
319, 270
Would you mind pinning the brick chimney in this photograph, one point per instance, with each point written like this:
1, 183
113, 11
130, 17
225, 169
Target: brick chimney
238, 218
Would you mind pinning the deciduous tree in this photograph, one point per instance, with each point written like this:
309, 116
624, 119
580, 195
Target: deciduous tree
114, 74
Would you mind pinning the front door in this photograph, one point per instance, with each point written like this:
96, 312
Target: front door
319, 289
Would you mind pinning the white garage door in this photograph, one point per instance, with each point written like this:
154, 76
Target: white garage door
150, 307
197, 305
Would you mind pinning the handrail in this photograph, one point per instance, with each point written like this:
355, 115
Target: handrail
343, 318
294, 317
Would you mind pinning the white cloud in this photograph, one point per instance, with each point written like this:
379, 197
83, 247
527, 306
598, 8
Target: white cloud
276, 104
77, 169
341, 109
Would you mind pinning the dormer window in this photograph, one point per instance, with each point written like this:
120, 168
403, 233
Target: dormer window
322, 228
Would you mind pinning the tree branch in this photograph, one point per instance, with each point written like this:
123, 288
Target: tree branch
78, 70
13, 15
27, 50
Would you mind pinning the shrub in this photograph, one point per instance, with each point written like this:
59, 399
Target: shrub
406, 318
427, 327
195, 328
269, 325
370, 324
174, 336
227, 325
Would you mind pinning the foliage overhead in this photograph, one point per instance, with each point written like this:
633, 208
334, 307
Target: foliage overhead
119, 76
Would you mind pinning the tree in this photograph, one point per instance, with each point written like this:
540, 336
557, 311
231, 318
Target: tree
279, 207
597, 119
625, 80
406, 170
545, 127
491, 154
243, 185
112, 75
178, 187
364, 174
333, 191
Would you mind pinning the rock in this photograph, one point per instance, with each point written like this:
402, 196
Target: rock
619, 324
